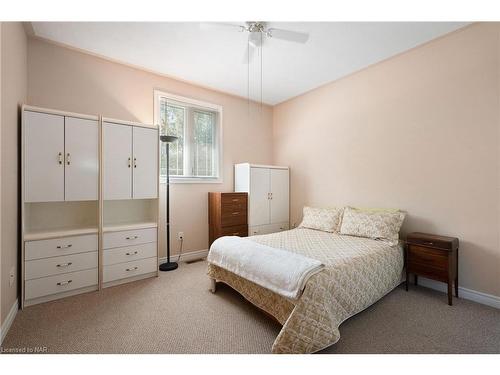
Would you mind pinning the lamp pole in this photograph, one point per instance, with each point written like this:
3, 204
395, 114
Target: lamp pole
168, 265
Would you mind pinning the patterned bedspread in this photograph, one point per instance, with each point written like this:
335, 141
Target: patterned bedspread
358, 272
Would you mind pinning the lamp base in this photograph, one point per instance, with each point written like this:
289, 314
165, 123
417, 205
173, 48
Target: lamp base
168, 266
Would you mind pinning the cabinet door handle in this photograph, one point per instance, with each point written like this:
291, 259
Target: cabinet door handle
135, 162
132, 269
132, 237
134, 253
64, 246
65, 282
60, 158
129, 162
68, 158
64, 264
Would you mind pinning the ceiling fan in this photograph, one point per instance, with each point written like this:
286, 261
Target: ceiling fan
257, 32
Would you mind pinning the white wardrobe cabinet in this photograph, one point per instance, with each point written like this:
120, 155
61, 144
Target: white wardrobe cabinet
89, 205
268, 196
130, 162
60, 158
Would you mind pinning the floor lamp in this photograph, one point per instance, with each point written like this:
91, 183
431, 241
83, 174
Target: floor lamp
168, 266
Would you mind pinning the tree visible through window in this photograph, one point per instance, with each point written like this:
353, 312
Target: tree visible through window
195, 154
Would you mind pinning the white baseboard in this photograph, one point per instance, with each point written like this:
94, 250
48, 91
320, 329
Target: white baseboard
187, 257
4, 328
472, 295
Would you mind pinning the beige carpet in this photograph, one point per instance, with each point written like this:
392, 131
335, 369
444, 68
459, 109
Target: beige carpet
176, 313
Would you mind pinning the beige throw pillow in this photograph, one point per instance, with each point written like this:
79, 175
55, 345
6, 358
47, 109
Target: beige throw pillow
377, 224
325, 219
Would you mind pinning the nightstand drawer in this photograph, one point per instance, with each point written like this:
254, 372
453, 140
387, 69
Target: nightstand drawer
429, 272
426, 257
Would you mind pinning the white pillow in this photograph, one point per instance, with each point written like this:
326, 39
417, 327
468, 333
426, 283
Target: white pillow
376, 224
324, 219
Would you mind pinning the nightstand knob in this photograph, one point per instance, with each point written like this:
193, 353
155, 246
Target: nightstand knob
429, 243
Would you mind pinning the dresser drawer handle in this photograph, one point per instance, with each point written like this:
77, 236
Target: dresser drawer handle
65, 282
429, 243
236, 234
134, 253
235, 200
132, 238
236, 213
132, 269
64, 246
64, 264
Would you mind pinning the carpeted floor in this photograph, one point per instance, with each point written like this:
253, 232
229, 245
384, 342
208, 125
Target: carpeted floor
176, 313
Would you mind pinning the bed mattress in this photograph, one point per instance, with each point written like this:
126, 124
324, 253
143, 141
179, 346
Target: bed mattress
358, 272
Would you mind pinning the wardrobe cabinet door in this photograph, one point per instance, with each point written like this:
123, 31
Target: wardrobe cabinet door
279, 196
43, 157
259, 196
145, 163
81, 159
117, 166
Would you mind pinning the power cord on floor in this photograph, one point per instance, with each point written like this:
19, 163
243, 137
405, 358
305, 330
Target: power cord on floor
180, 250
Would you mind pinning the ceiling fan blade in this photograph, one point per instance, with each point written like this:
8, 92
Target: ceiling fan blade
248, 55
221, 26
291, 36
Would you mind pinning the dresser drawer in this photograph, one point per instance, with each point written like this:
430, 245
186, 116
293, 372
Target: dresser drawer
129, 269
128, 253
60, 246
128, 237
60, 283
58, 265
238, 230
233, 217
430, 258
234, 199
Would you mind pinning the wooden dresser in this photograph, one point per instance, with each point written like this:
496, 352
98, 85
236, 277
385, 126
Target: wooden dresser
434, 257
227, 215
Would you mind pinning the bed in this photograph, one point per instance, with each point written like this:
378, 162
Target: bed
358, 272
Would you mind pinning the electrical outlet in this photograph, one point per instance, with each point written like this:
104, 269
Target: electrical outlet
180, 236
12, 276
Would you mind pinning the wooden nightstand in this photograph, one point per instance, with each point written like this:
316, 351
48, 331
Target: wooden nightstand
434, 257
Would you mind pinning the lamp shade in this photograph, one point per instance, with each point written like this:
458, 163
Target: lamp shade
168, 138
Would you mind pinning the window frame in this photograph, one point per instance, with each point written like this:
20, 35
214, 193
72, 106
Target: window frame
177, 99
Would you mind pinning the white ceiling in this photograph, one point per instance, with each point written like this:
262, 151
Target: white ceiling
213, 57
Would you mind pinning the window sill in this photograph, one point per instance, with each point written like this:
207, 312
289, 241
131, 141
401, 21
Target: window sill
193, 180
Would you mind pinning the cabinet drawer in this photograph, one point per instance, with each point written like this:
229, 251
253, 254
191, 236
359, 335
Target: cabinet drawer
232, 218
268, 228
430, 258
128, 237
60, 246
129, 269
129, 253
238, 230
60, 283
234, 199
58, 265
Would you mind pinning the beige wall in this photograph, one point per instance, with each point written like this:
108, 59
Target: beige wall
14, 88
66, 79
420, 132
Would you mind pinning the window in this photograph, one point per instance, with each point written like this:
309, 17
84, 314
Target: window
196, 155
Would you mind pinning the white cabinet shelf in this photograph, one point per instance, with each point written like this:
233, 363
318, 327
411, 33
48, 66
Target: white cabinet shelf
129, 226
61, 232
